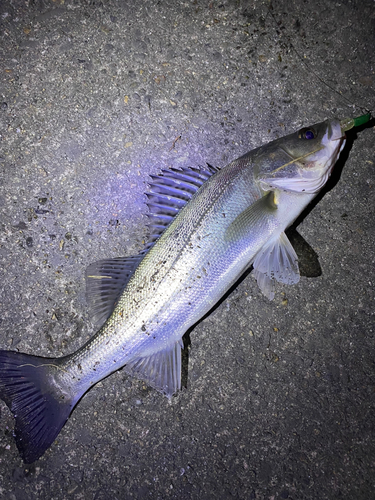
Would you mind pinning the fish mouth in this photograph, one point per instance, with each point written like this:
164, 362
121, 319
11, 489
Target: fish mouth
333, 143
336, 131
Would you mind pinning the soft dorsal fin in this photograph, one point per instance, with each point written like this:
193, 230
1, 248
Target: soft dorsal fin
169, 192
105, 282
278, 261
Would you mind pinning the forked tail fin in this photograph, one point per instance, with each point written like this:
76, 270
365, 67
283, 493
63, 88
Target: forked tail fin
39, 407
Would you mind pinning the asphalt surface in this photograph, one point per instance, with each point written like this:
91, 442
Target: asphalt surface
278, 397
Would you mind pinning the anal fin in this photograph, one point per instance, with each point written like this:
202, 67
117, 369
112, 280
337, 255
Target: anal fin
161, 370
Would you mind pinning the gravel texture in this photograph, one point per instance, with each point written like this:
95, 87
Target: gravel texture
278, 398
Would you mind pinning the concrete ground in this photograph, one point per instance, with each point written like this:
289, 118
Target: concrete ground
278, 401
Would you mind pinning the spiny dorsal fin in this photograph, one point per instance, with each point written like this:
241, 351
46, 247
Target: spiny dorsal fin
169, 193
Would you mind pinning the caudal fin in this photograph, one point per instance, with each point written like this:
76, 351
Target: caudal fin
26, 386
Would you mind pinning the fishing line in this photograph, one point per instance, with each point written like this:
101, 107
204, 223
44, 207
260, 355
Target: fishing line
307, 66
45, 364
296, 159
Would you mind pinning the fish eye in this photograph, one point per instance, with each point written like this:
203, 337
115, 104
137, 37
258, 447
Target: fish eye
307, 133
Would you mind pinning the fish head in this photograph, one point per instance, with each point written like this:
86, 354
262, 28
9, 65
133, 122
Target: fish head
301, 162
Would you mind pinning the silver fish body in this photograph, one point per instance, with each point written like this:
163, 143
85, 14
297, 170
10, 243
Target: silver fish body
181, 278
196, 260
235, 219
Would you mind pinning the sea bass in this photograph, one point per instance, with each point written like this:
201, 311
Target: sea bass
208, 226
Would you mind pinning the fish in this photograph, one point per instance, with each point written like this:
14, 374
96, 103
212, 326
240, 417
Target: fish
208, 226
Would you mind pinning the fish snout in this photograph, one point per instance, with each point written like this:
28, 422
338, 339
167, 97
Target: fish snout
335, 131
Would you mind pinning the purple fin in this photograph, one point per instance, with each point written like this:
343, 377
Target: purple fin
169, 192
40, 411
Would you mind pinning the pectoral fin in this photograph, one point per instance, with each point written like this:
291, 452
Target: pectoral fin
251, 217
278, 261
